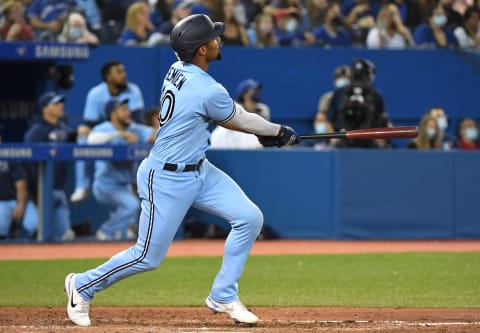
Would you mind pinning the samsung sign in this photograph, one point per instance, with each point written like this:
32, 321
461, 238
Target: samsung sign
59, 51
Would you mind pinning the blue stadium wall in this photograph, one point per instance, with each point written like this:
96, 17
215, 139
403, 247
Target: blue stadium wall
348, 194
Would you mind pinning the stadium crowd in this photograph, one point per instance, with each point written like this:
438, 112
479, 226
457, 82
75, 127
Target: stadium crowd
253, 23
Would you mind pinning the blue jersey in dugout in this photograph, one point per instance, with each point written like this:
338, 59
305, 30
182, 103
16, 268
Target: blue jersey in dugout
119, 172
99, 95
190, 100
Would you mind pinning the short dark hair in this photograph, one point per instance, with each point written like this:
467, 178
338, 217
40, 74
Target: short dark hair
107, 67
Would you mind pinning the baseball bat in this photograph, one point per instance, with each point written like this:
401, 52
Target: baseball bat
368, 133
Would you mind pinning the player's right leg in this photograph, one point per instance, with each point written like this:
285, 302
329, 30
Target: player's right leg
165, 198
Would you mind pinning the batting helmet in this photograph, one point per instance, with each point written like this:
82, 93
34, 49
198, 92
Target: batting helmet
192, 32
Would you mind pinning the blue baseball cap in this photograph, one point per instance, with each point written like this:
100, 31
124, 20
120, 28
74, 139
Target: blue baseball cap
48, 98
113, 104
246, 85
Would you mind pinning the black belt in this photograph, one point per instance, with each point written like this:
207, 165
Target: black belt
188, 167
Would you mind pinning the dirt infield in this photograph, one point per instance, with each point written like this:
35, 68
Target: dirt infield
275, 320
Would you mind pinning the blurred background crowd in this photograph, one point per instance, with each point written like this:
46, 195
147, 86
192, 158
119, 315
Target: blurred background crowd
251, 23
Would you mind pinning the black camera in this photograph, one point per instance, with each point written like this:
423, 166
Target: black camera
357, 106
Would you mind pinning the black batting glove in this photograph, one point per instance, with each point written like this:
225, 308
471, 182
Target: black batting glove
287, 136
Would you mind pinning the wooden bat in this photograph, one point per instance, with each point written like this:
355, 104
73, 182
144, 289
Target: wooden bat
368, 133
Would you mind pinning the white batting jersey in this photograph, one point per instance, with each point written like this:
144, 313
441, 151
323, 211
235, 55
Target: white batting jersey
190, 100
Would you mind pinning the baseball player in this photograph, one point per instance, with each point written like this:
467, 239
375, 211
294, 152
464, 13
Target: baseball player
176, 175
115, 84
112, 181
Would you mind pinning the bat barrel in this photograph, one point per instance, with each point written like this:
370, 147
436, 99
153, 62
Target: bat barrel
384, 133
368, 134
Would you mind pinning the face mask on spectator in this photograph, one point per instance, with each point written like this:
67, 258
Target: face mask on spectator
431, 132
341, 82
471, 133
440, 19
76, 32
442, 123
320, 128
291, 25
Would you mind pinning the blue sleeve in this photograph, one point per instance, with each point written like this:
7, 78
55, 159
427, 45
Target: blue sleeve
135, 98
94, 110
92, 13
143, 132
128, 37
451, 39
34, 9
34, 134
420, 35
218, 103
345, 39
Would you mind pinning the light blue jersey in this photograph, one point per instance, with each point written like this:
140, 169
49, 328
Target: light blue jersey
99, 95
190, 100
119, 172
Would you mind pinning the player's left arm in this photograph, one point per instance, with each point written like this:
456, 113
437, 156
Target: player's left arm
268, 133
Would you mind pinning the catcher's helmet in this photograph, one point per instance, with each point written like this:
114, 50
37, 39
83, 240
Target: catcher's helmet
363, 70
192, 32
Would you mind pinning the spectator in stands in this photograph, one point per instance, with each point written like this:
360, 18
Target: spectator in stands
262, 32
390, 32
428, 135
203, 7
341, 79
50, 127
359, 18
90, 10
332, 32
320, 126
115, 84
435, 32
454, 10
467, 34
179, 10
448, 141
47, 17
139, 31
113, 14
75, 31
235, 33
14, 27
249, 95
160, 13
289, 31
15, 206
410, 12
113, 181
315, 12
468, 135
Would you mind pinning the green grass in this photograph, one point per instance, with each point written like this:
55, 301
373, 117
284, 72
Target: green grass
371, 280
